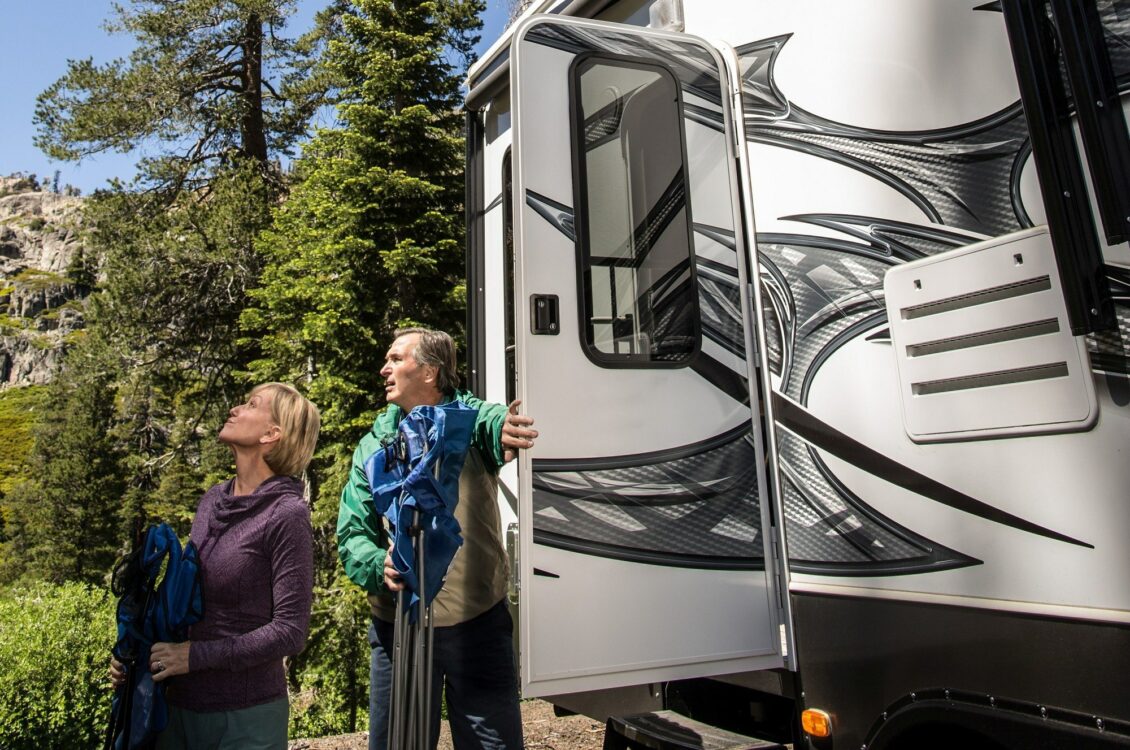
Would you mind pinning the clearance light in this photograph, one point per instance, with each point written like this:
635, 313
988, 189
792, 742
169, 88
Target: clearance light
816, 723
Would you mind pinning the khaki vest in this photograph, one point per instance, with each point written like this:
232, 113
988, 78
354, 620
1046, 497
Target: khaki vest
479, 575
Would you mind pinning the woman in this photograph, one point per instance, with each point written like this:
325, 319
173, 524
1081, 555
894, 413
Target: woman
227, 683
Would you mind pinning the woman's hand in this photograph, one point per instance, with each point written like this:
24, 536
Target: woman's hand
117, 674
168, 660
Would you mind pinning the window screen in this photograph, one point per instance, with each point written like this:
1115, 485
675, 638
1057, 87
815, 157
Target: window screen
637, 273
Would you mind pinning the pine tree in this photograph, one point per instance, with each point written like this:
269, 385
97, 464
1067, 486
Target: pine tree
370, 239
66, 512
216, 94
210, 82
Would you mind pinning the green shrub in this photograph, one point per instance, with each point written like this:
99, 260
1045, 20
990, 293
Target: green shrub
331, 676
37, 280
54, 653
20, 412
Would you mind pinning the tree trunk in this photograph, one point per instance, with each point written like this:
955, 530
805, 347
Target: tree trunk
254, 137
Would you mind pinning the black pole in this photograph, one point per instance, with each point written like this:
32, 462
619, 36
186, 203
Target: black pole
1070, 221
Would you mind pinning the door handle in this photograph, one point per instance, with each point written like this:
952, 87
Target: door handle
544, 318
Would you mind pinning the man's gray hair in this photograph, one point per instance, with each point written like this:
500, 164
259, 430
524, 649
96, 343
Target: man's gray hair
435, 348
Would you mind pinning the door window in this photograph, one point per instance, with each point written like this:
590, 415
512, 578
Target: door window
637, 262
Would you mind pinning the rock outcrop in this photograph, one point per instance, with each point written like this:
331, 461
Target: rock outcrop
40, 292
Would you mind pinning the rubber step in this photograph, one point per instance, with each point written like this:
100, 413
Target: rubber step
667, 730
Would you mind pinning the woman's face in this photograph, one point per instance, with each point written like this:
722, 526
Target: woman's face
251, 424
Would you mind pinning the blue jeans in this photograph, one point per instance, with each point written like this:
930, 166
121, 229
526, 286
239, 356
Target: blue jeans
474, 660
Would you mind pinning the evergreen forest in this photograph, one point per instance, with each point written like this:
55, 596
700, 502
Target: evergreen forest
300, 196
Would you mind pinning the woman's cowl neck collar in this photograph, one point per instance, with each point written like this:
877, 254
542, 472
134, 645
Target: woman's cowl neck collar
230, 509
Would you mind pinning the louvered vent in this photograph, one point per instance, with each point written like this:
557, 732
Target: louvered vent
983, 344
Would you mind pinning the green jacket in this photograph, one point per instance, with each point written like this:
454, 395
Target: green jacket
361, 540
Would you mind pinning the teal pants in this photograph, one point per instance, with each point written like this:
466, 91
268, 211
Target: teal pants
257, 728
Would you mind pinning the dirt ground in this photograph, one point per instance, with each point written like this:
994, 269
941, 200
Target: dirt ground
542, 731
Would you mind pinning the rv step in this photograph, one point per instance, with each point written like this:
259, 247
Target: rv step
667, 730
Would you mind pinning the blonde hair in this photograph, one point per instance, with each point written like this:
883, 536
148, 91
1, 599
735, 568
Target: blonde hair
298, 422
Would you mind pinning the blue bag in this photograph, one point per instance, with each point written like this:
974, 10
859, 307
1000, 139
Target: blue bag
418, 473
158, 598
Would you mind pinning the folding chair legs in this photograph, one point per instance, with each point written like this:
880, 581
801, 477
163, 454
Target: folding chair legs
411, 710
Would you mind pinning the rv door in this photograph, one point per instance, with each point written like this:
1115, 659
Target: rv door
645, 541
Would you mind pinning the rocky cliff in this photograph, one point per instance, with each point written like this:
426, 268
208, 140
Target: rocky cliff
41, 289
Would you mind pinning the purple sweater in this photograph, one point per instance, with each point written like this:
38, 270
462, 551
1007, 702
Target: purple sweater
257, 576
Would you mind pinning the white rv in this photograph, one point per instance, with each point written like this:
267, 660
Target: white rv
821, 309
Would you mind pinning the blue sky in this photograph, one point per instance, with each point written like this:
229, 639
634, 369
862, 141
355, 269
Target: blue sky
37, 39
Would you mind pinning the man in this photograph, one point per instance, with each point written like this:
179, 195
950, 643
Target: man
473, 650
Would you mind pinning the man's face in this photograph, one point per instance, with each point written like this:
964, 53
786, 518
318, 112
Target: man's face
408, 383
